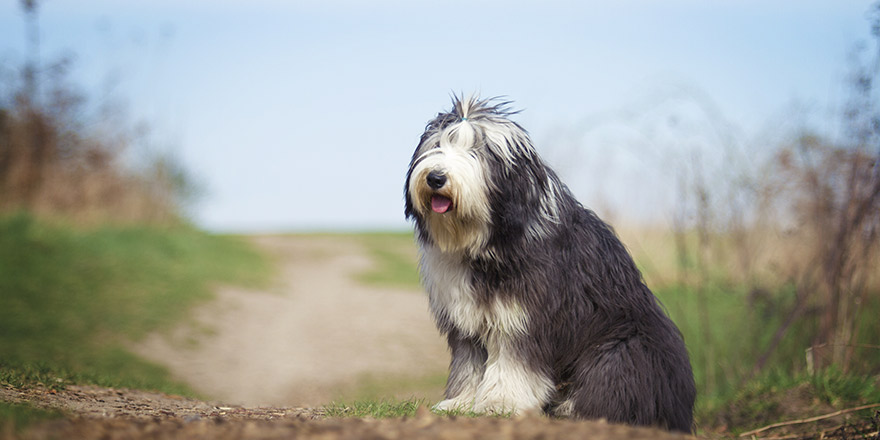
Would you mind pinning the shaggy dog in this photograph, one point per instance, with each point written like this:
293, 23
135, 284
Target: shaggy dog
541, 304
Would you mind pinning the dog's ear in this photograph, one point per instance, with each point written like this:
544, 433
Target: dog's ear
430, 128
518, 190
408, 208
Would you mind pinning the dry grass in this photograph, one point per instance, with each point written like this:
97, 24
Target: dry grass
62, 155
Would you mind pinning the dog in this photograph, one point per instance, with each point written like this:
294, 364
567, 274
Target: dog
541, 304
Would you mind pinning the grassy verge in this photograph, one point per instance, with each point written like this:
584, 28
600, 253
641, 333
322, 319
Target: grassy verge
394, 258
373, 387
727, 343
780, 396
377, 408
390, 408
71, 299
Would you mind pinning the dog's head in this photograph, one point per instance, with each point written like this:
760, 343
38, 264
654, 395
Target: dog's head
474, 175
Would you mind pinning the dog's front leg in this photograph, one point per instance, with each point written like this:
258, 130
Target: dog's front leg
509, 384
465, 372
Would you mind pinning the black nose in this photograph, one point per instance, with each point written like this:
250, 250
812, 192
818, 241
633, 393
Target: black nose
436, 179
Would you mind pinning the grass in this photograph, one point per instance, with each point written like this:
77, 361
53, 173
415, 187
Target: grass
391, 408
373, 387
71, 299
719, 361
376, 408
724, 354
394, 258
728, 325
781, 396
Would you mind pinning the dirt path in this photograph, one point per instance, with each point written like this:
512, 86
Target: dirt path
108, 414
310, 338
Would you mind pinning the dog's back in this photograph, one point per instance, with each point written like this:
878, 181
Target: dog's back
615, 353
631, 362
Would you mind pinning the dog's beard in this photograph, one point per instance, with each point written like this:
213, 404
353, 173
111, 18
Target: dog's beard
453, 233
454, 206
456, 218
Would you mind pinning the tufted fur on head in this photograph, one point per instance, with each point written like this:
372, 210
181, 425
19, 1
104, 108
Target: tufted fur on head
492, 170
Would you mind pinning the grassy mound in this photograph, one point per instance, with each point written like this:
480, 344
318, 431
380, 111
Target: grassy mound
70, 299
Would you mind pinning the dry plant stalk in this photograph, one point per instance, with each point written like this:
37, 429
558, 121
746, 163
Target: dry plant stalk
53, 162
808, 420
806, 221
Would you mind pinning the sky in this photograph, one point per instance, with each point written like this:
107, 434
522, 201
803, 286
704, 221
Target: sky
303, 115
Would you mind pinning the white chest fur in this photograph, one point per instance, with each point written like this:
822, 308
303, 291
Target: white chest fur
450, 291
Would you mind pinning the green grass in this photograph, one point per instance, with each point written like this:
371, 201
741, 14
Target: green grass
724, 354
391, 408
374, 387
71, 299
394, 257
781, 396
16, 416
377, 409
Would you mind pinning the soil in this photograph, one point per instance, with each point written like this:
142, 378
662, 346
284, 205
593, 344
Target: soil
105, 413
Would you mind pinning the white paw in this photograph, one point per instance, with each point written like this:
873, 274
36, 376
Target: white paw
452, 405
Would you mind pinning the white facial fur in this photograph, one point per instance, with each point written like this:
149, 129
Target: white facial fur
453, 152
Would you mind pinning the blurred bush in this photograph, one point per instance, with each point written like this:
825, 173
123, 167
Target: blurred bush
789, 244
60, 158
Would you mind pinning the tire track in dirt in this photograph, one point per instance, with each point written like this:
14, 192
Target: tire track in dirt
316, 332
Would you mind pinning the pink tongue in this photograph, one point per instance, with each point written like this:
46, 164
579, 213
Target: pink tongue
440, 204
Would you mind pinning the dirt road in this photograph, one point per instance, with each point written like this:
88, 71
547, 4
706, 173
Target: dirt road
312, 337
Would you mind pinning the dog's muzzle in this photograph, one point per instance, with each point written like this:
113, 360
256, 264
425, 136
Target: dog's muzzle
439, 203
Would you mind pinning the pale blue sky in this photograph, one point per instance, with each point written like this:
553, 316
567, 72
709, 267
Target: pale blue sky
303, 115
